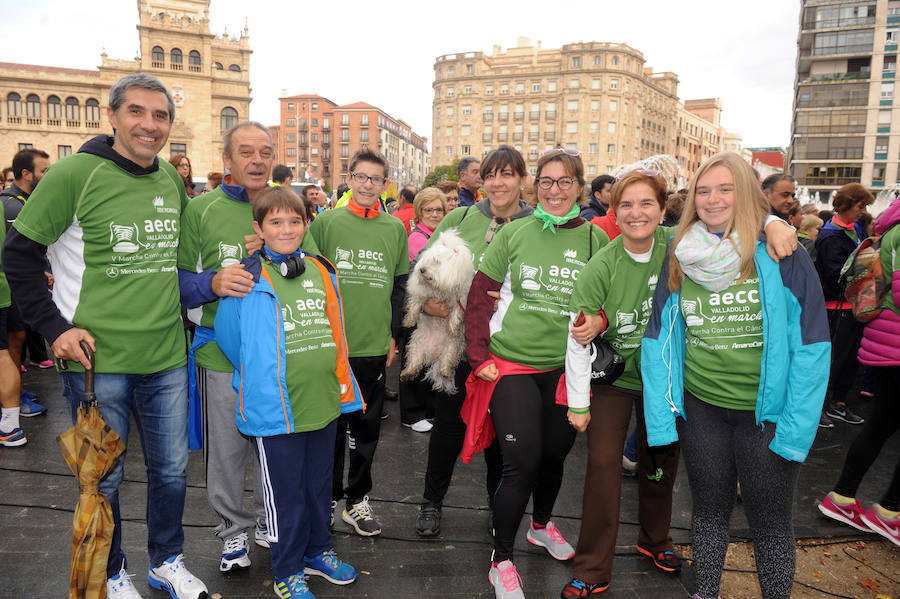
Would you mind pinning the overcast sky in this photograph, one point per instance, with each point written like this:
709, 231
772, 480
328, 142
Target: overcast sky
383, 52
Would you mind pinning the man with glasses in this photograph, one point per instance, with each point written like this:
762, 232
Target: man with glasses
369, 249
780, 189
216, 233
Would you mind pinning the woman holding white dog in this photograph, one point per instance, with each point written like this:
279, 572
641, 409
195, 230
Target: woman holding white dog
416, 397
505, 172
517, 354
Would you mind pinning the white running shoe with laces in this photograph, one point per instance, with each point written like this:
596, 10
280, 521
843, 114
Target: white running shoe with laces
174, 577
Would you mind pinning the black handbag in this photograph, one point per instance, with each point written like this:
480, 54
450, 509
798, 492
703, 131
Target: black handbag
606, 363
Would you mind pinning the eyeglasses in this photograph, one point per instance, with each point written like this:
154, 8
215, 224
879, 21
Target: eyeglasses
567, 151
496, 223
361, 178
648, 172
432, 210
563, 183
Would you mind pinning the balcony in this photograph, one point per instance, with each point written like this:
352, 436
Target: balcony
829, 50
534, 115
486, 137
54, 122
156, 64
533, 136
194, 68
488, 117
176, 66
33, 120
304, 128
838, 76
840, 22
550, 114
549, 135
73, 124
502, 136
518, 115
828, 180
325, 128
517, 137
503, 116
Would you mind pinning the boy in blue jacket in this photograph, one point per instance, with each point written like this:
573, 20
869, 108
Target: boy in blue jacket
293, 379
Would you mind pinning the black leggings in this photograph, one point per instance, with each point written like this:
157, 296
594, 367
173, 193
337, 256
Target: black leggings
721, 447
881, 424
446, 443
535, 437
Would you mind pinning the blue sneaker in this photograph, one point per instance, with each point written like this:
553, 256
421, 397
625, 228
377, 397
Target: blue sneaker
28, 394
28, 407
328, 566
13, 438
293, 587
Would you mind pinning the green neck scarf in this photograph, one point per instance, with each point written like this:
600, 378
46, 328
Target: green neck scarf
551, 221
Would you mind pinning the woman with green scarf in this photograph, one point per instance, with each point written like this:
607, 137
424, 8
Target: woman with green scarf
517, 355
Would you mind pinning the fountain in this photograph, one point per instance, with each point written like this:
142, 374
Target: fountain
884, 199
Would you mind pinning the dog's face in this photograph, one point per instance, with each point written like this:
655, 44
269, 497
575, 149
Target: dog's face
447, 264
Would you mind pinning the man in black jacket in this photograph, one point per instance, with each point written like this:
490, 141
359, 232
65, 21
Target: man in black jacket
600, 195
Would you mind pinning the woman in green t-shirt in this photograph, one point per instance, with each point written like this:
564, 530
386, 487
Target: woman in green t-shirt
517, 355
615, 293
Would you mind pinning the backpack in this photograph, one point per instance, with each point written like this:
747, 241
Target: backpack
863, 281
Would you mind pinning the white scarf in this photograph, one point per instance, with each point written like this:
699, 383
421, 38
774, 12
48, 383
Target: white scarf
712, 262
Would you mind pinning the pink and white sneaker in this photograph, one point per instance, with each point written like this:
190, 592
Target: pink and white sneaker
506, 581
889, 529
552, 540
848, 514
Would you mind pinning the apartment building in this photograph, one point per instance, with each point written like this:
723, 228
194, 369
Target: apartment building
843, 127
599, 98
317, 137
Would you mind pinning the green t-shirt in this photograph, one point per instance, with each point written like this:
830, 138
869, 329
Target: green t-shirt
4, 286
538, 270
724, 343
213, 227
311, 354
367, 253
113, 243
623, 288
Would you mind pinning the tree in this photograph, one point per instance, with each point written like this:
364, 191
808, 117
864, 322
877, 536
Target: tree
441, 173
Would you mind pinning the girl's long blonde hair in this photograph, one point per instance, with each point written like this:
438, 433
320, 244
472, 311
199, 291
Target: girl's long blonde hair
750, 208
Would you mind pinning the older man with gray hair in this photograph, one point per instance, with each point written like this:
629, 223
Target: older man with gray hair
112, 214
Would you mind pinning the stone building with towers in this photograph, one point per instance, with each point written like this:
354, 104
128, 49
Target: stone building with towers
57, 109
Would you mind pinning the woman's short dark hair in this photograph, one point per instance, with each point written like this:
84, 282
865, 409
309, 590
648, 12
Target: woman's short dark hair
504, 156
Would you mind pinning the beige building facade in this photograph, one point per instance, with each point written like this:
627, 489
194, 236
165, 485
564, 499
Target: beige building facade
58, 109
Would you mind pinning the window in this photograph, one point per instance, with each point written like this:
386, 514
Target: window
595, 83
450, 92
613, 105
878, 173
229, 118
572, 106
175, 59
451, 69
598, 60
467, 90
466, 149
594, 127
467, 109
219, 66
315, 122
345, 134
292, 122
326, 123
890, 64
365, 135
345, 150
25, 147
489, 90
73, 111
92, 112
572, 127
54, 108
592, 169
194, 61
469, 70
881, 145
576, 62
611, 128
33, 107
574, 83
535, 87
595, 105
890, 36
157, 57
449, 150
177, 149
345, 119
592, 148
14, 105
887, 91
63, 151
884, 118
365, 120
448, 131
290, 106
504, 89
551, 86
520, 88
291, 137
449, 111
234, 68
613, 83
614, 60
314, 107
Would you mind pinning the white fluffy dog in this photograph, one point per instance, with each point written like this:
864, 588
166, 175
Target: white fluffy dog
444, 272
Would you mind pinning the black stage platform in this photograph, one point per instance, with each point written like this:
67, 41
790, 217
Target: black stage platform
39, 494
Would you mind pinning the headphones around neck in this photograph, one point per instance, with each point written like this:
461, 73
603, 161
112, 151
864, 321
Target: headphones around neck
290, 268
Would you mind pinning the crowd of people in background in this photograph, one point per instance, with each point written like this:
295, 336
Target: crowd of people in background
724, 299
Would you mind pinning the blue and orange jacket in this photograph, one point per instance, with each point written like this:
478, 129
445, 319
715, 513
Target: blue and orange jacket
250, 332
795, 361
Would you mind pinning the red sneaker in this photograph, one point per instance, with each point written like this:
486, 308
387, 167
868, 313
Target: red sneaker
889, 529
848, 514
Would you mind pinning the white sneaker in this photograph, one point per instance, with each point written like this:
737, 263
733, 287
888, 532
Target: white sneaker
552, 540
506, 581
422, 426
261, 536
121, 587
235, 553
173, 576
